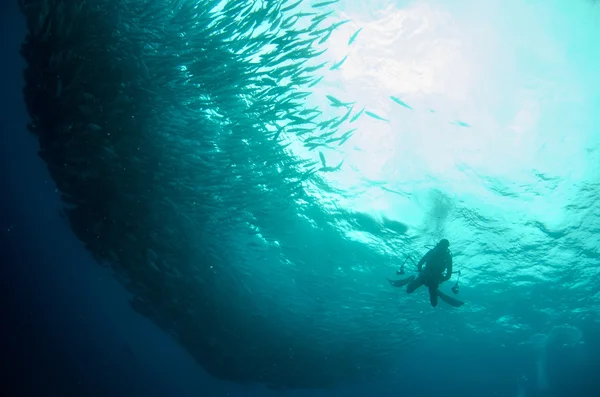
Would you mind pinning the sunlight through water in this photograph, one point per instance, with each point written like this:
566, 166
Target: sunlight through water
493, 95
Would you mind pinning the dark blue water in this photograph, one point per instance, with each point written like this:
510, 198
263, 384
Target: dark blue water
67, 327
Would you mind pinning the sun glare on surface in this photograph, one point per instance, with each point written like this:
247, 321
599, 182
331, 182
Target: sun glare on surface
451, 96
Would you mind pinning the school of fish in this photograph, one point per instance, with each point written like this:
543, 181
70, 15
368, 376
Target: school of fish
165, 125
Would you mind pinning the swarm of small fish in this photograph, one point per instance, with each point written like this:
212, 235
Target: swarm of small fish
162, 124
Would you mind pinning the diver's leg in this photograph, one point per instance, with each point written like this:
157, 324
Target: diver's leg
414, 284
401, 283
433, 296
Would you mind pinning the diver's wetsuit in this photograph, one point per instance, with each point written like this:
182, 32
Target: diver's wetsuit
438, 259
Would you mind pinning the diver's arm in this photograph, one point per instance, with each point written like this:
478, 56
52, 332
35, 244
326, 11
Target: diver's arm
449, 269
423, 260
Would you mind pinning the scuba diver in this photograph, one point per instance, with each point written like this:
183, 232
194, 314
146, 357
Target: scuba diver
437, 261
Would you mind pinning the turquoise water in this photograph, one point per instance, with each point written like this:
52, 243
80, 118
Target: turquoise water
190, 168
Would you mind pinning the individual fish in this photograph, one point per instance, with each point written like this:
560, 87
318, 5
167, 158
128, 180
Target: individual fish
300, 95
305, 14
325, 135
337, 103
86, 110
400, 102
313, 54
312, 146
332, 169
276, 136
276, 23
311, 69
460, 123
375, 116
309, 163
300, 131
324, 3
344, 118
312, 138
314, 83
337, 65
94, 127
347, 135
317, 20
309, 172
353, 37
310, 111
326, 37
334, 100
144, 69
292, 6
338, 24
289, 22
343, 140
325, 123
151, 255
298, 120
300, 81
357, 115
322, 157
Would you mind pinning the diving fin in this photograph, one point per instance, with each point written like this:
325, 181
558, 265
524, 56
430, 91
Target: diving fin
449, 300
401, 283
